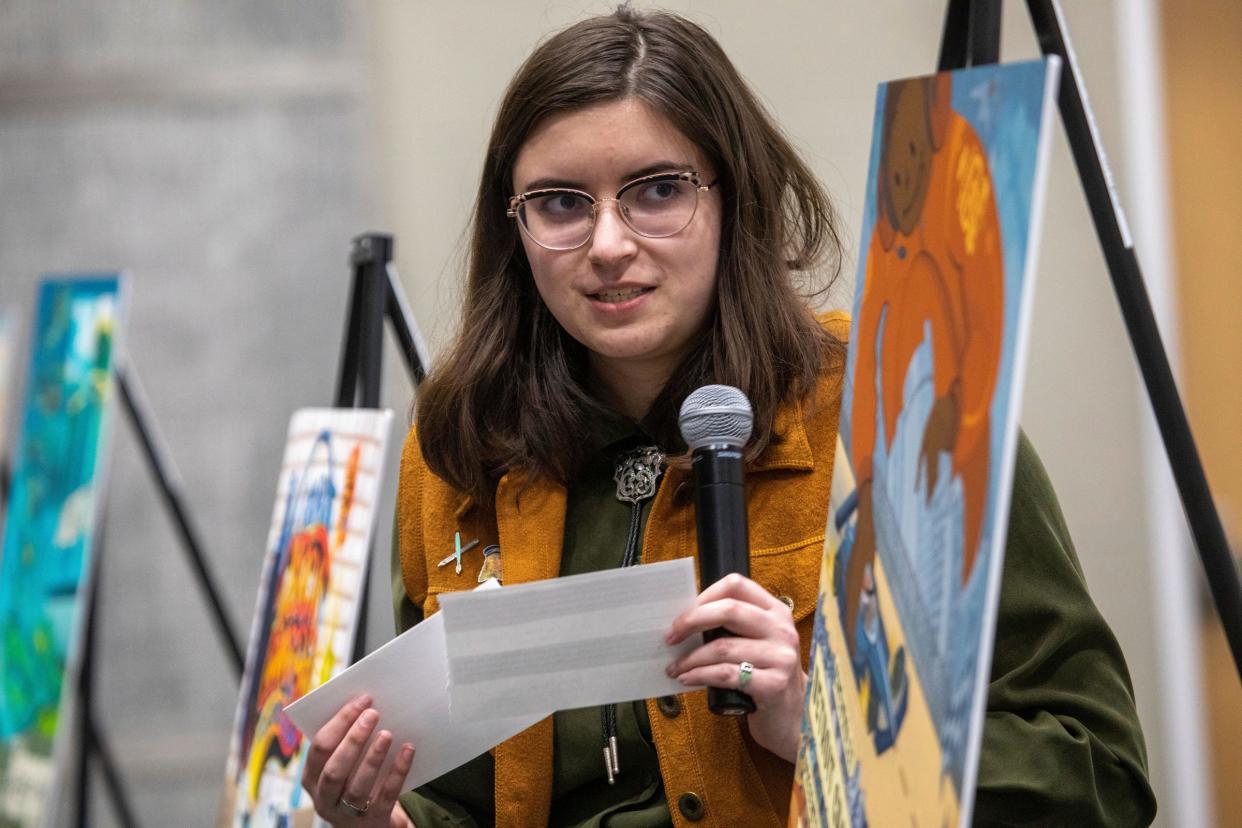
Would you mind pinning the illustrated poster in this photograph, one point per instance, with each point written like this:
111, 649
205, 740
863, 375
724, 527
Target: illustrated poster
307, 612
920, 498
50, 529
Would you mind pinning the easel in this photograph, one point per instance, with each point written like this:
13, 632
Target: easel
971, 37
91, 742
374, 294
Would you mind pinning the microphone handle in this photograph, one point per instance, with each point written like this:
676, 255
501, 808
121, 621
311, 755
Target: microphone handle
724, 543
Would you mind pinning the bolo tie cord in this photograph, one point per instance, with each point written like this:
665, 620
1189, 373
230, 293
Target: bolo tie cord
637, 475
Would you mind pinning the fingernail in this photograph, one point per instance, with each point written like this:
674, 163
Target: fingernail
369, 718
407, 752
671, 669
363, 701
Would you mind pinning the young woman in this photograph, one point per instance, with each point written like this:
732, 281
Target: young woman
643, 228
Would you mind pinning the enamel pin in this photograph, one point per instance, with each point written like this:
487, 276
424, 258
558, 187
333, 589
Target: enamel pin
458, 551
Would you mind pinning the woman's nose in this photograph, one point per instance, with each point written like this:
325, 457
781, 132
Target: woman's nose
611, 238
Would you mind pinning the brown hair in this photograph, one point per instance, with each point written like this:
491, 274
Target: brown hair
512, 390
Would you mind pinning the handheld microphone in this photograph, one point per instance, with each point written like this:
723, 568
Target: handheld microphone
715, 422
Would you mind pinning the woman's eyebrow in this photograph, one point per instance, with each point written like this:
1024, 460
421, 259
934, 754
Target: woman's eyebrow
659, 167
552, 183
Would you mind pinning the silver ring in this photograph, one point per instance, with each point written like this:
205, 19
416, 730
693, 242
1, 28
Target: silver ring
352, 809
745, 672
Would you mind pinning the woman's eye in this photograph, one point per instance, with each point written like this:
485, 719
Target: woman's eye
563, 205
659, 191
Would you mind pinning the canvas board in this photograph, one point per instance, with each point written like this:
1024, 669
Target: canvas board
308, 603
924, 464
47, 561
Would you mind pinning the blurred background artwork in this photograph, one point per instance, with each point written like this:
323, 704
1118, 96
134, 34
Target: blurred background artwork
225, 153
309, 599
49, 535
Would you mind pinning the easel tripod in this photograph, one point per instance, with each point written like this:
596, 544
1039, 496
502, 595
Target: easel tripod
375, 295
972, 37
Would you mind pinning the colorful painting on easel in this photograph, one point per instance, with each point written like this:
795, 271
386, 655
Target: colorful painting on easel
916, 528
309, 598
50, 529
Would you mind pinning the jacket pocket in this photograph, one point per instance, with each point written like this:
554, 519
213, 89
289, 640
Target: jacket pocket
791, 573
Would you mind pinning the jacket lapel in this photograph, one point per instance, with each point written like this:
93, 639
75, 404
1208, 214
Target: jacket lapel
530, 520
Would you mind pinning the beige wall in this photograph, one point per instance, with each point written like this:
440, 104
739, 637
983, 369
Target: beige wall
440, 69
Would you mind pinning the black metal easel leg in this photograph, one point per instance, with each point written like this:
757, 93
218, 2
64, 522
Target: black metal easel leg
90, 742
1153, 363
112, 780
168, 481
971, 35
402, 321
362, 354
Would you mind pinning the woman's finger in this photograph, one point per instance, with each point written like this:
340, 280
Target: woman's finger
763, 684
358, 790
340, 765
738, 617
735, 650
738, 586
328, 737
384, 797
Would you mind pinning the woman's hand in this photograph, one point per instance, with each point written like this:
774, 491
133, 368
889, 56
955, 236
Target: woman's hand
342, 772
764, 635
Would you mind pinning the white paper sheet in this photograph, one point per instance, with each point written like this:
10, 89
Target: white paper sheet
408, 682
577, 641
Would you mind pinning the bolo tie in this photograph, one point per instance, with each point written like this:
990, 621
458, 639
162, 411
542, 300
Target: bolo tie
637, 473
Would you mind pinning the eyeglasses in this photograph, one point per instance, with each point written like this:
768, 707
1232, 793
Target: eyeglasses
655, 206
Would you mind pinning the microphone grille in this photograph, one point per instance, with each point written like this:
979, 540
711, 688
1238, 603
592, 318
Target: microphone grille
715, 414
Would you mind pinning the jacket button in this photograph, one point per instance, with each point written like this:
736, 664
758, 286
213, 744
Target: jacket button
787, 601
670, 706
691, 806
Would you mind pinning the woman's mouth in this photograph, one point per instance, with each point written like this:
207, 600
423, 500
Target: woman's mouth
616, 297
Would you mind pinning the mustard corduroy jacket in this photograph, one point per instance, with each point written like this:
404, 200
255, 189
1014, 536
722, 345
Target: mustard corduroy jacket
713, 757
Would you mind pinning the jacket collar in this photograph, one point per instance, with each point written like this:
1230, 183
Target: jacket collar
790, 448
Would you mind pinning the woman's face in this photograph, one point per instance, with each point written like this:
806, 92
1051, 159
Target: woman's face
636, 303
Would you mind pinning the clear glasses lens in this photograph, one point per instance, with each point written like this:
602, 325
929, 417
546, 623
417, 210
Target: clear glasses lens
653, 207
557, 219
